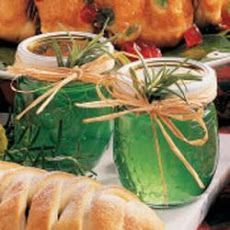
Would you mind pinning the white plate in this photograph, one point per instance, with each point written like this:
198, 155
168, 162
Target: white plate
213, 59
217, 58
186, 217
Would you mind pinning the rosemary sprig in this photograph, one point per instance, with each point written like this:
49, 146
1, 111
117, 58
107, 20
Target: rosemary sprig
80, 55
157, 85
58, 52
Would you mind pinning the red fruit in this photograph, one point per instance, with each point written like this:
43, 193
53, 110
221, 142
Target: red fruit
147, 50
226, 18
129, 47
88, 13
193, 36
150, 52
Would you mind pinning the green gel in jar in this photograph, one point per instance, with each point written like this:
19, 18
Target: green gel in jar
135, 152
57, 138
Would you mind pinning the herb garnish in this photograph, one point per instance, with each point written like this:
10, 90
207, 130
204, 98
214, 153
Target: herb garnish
80, 55
156, 85
211, 42
162, 3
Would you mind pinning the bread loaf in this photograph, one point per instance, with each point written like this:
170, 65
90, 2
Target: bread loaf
34, 199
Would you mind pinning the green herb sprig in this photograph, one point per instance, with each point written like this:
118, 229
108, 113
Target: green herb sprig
78, 55
156, 85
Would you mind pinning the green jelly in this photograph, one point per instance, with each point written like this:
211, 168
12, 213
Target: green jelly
155, 174
136, 159
57, 139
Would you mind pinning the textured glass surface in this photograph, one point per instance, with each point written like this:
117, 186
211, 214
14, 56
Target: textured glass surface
136, 159
59, 130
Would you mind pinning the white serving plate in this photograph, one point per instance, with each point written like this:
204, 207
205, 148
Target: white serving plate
217, 58
213, 59
187, 217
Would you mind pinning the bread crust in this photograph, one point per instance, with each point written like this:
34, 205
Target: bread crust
62, 15
33, 199
209, 12
14, 23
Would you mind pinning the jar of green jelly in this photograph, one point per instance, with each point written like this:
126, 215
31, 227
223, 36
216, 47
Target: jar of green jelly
135, 150
57, 138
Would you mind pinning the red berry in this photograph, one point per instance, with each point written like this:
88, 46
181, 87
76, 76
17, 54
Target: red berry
88, 13
193, 36
150, 52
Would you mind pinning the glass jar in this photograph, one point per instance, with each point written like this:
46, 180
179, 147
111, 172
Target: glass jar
57, 138
135, 150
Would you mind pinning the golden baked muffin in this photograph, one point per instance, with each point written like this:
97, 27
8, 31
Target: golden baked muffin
208, 11
14, 22
125, 14
163, 25
61, 15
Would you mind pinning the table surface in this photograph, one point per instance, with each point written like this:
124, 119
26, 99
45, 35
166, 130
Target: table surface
187, 217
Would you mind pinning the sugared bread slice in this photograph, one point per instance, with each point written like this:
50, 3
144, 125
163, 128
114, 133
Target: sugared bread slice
33, 199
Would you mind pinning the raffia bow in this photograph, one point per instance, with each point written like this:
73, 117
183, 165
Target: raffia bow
125, 96
162, 112
92, 72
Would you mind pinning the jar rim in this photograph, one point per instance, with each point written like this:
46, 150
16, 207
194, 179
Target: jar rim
208, 74
24, 54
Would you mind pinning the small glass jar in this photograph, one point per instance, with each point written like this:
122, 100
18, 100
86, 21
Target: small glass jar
135, 151
57, 139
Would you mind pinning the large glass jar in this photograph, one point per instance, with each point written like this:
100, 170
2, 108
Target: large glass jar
135, 152
57, 138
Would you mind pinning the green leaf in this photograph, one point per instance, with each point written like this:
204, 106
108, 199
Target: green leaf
162, 3
131, 30
3, 140
211, 42
7, 53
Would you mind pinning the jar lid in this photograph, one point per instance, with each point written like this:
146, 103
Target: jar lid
206, 88
27, 58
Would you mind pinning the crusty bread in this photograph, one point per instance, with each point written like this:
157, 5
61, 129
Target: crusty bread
14, 22
34, 199
62, 15
162, 25
208, 11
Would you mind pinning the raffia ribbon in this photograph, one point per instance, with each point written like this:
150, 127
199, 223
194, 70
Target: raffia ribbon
91, 72
162, 112
124, 95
